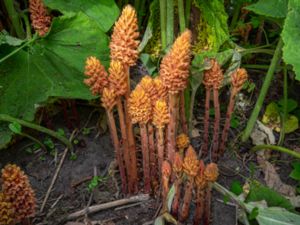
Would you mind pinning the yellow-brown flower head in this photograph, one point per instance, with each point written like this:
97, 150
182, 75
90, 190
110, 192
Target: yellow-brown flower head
139, 106
17, 189
118, 79
182, 141
40, 19
211, 172
161, 114
213, 77
124, 43
174, 68
108, 98
6, 211
161, 90
190, 162
166, 169
97, 75
200, 179
178, 164
238, 78
147, 84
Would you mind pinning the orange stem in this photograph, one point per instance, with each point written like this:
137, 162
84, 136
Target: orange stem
207, 207
145, 152
216, 124
160, 147
227, 121
175, 204
206, 122
174, 110
152, 155
184, 125
186, 200
116, 143
125, 156
199, 206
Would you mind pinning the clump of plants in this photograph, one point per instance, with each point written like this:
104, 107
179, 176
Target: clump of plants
156, 105
17, 198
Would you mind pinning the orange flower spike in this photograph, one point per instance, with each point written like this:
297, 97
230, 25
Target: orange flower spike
17, 189
161, 115
124, 43
6, 211
40, 19
238, 79
211, 172
147, 83
200, 179
177, 169
166, 174
182, 142
97, 76
162, 91
139, 106
174, 68
108, 99
190, 167
213, 77
117, 78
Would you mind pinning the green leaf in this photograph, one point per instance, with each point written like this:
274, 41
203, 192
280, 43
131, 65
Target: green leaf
290, 36
5, 38
295, 174
50, 67
102, 12
291, 105
259, 192
212, 29
170, 197
291, 124
234, 122
159, 221
236, 187
253, 214
270, 8
147, 62
15, 127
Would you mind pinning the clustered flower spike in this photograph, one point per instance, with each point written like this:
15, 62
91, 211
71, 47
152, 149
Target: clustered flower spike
109, 99
161, 90
118, 78
6, 211
147, 84
161, 114
190, 162
18, 191
177, 165
166, 169
213, 77
211, 172
139, 106
200, 178
174, 68
40, 19
182, 141
97, 75
238, 78
124, 43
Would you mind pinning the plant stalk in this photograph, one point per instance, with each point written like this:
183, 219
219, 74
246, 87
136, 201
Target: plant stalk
199, 206
285, 100
206, 121
276, 148
184, 125
216, 123
160, 147
37, 141
153, 166
145, 152
188, 5
45, 130
163, 22
187, 199
170, 22
264, 89
172, 126
181, 15
207, 206
176, 200
116, 143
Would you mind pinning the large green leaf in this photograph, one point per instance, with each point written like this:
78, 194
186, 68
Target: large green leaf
270, 8
103, 12
51, 66
212, 29
291, 35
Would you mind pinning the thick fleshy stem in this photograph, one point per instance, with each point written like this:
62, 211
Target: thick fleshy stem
183, 121
152, 158
172, 131
187, 200
207, 206
216, 124
176, 200
227, 121
131, 142
200, 196
116, 143
206, 121
125, 154
145, 152
166, 174
160, 137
